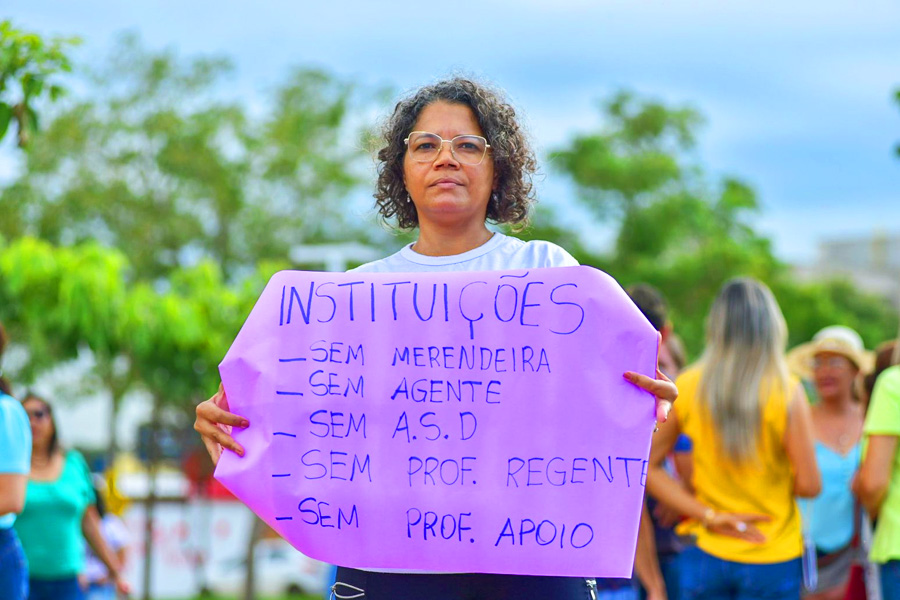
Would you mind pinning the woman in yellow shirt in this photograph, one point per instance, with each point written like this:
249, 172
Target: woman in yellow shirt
753, 453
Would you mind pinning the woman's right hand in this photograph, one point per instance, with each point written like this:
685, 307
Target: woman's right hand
738, 525
214, 424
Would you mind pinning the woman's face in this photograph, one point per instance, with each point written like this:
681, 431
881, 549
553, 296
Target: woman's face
833, 375
41, 423
445, 191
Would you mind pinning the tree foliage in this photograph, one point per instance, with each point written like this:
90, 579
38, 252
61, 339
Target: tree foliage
171, 337
199, 195
61, 298
687, 236
636, 156
30, 67
154, 162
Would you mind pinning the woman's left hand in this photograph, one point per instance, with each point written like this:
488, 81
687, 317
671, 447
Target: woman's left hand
741, 526
662, 389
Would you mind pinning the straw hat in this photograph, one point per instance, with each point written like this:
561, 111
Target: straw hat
836, 339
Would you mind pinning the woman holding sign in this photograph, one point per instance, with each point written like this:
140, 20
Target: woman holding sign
752, 432
454, 158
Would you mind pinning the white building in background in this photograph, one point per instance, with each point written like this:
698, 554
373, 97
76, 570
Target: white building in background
872, 263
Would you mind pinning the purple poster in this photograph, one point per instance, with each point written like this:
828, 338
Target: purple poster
446, 422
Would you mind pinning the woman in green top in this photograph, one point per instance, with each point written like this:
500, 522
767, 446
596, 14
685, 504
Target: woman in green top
59, 508
878, 481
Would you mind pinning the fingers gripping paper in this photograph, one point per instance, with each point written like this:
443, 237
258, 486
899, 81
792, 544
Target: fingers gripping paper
447, 422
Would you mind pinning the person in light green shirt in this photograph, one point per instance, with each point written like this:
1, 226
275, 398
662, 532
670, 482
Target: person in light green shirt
59, 514
878, 482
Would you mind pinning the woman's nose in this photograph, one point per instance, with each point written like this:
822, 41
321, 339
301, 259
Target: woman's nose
445, 155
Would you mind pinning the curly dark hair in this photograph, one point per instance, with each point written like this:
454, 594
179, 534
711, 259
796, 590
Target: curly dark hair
514, 161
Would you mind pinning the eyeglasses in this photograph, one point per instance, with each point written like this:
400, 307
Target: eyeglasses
38, 415
424, 147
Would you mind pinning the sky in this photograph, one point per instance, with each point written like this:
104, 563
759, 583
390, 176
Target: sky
797, 95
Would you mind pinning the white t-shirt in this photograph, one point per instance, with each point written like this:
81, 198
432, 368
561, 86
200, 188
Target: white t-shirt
498, 253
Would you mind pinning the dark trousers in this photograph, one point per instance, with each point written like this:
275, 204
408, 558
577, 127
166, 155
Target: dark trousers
66, 588
705, 577
353, 584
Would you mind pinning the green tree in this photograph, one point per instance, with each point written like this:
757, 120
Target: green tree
152, 161
59, 301
61, 298
164, 340
638, 154
808, 307
687, 236
171, 336
688, 246
30, 69
199, 195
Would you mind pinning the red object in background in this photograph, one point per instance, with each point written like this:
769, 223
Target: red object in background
217, 491
856, 585
199, 469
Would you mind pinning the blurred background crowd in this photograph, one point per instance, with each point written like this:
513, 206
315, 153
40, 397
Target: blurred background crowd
145, 199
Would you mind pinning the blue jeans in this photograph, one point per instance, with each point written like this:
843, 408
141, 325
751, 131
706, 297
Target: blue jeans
13, 567
66, 588
890, 579
710, 578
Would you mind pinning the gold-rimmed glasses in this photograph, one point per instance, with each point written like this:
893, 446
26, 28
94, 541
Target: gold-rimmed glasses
425, 146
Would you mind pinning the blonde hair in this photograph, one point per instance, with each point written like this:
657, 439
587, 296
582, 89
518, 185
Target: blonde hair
743, 362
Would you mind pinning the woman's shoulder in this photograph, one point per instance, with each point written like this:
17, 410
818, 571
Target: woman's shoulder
76, 459
687, 382
535, 253
15, 437
81, 474
11, 406
888, 382
500, 252
883, 416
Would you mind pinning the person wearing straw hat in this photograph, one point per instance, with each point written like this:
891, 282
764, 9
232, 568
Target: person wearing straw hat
833, 341
878, 484
833, 361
